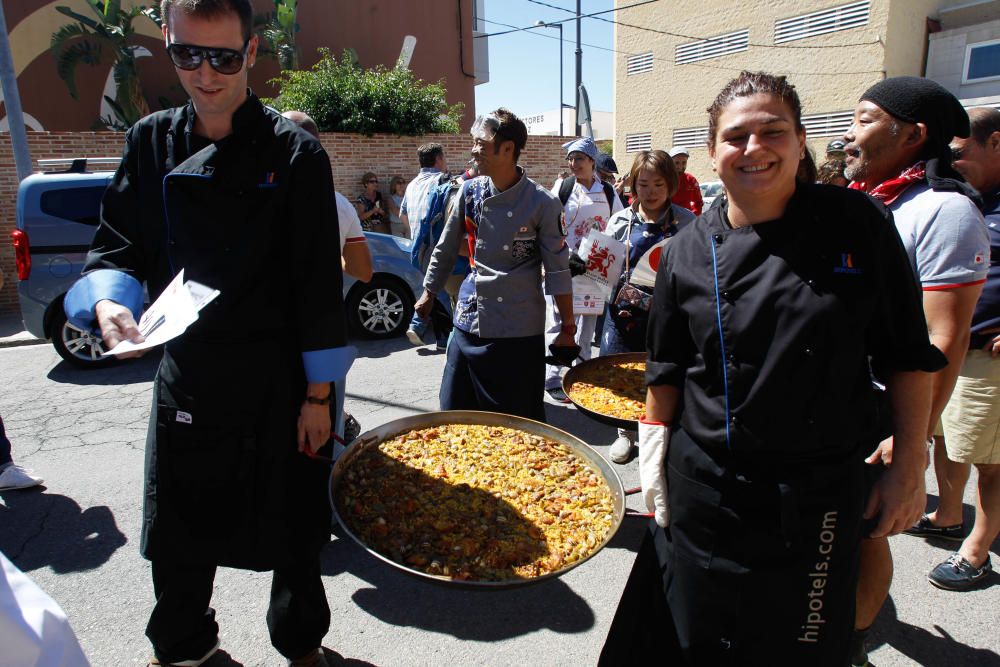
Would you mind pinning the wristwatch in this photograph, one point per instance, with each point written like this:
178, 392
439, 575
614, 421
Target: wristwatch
312, 400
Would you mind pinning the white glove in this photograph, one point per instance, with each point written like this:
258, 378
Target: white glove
654, 439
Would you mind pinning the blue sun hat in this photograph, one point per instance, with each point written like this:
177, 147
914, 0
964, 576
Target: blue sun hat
583, 145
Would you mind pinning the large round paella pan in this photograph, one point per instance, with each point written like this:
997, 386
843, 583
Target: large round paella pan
476, 499
610, 389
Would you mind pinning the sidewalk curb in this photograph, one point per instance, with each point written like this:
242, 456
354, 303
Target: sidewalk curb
15, 341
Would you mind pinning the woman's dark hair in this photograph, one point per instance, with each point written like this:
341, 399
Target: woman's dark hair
659, 162
394, 181
367, 176
754, 83
806, 172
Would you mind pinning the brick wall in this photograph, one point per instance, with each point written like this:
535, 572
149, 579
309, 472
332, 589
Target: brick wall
350, 155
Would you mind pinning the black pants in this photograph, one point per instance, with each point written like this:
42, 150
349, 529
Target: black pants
182, 625
495, 374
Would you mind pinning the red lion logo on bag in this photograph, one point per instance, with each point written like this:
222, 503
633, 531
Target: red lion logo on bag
600, 259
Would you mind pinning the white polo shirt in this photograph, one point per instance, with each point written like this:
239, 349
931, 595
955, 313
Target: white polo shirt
945, 237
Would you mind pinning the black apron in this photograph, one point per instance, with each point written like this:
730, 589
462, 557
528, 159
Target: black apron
224, 480
755, 568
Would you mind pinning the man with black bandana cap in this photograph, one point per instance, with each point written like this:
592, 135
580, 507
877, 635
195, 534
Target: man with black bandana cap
898, 152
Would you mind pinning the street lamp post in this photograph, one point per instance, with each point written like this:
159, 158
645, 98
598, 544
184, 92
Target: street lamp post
543, 24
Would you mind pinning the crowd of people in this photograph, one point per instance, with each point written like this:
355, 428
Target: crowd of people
808, 344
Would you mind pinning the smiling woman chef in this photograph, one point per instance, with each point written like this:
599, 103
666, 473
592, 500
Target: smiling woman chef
765, 314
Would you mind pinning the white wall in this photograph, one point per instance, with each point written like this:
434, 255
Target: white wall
946, 59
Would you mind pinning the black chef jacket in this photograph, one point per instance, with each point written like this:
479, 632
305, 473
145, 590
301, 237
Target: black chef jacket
769, 328
253, 216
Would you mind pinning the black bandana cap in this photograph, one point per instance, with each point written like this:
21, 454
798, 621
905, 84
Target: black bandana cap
914, 99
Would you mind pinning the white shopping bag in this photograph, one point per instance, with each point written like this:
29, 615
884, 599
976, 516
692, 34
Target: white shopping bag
604, 257
588, 297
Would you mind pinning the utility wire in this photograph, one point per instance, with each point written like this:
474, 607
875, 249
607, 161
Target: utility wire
531, 31
567, 20
692, 37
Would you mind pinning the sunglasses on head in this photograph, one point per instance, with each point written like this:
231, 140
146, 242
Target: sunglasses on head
224, 61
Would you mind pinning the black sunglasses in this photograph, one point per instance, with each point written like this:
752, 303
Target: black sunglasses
224, 61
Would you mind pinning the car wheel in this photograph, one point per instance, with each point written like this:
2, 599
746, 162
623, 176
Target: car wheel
78, 347
381, 308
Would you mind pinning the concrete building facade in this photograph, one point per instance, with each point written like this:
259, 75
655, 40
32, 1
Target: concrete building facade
964, 55
675, 57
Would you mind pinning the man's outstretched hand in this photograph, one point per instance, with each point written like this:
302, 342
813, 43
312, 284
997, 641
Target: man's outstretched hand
117, 324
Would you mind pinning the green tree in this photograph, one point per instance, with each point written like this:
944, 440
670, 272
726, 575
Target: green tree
85, 40
277, 31
341, 96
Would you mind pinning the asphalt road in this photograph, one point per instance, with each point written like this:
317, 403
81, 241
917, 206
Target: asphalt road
77, 537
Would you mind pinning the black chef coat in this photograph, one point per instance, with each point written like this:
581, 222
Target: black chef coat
252, 215
768, 330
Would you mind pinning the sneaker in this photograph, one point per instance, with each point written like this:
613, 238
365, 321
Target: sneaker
312, 659
621, 450
958, 574
557, 395
15, 477
414, 337
924, 528
155, 662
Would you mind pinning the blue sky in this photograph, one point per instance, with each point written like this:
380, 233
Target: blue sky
524, 66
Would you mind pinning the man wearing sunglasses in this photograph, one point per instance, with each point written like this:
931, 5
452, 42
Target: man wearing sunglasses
241, 200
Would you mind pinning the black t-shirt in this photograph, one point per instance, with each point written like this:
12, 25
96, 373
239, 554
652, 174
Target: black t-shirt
769, 328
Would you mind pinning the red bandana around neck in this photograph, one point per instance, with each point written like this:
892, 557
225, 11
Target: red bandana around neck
888, 191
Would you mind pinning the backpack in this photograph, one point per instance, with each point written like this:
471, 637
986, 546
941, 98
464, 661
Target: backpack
432, 223
566, 189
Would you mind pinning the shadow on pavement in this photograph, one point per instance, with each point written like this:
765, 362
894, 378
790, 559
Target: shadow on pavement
39, 529
399, 599
924, 647
376, 349
129, 371
335, 658
629, 536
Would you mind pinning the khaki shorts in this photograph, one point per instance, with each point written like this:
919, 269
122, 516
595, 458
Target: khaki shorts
972, 417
